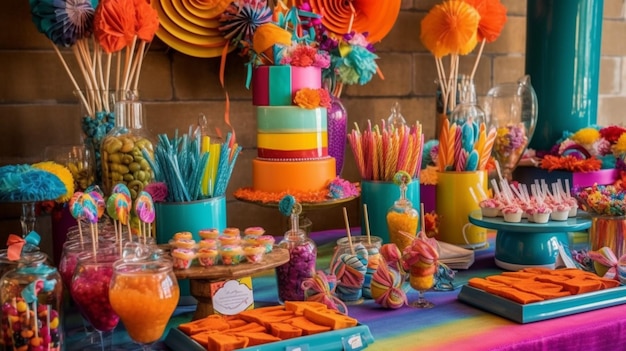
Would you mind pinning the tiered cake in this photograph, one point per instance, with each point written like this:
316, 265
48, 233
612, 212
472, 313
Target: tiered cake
292, 141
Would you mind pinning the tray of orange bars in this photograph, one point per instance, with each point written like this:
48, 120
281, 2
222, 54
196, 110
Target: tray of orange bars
294, 325
535, 294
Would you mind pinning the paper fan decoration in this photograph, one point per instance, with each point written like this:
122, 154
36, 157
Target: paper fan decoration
492, 18
342, 17
192, 26
450, 28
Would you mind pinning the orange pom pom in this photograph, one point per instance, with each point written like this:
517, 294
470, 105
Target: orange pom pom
450, 28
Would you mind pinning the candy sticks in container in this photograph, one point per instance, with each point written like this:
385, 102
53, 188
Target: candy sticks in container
382, 151
464, 147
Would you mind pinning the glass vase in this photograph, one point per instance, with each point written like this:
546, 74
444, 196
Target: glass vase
97, 119
301, 264
123, 149
402, 220
467, 109
337, 130
512, 110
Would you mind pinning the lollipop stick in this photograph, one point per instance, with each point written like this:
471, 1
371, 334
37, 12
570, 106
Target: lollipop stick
345, 218
367, 224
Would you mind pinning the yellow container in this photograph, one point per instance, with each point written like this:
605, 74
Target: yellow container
454, 204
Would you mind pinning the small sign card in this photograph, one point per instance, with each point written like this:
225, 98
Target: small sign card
232, 296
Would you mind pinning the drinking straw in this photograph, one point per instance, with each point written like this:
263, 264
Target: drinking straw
367, 224
494, 185
214, 158
345, 218
483, 195
498, 169
471, 190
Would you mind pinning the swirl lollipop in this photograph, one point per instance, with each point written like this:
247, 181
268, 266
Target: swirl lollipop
90, 212
122, 211
121, 188
387, 287
144, 208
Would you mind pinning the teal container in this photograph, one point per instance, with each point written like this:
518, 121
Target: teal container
192, 216
563, 60
379, 196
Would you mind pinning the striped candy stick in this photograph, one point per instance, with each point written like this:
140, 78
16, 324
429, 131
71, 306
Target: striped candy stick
486, 153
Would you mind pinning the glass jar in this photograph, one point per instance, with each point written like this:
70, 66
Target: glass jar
402, 220
337, 130
467, 110
512, 110
301, 264
123, 149
31, 296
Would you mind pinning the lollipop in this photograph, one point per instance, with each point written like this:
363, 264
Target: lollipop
350, 272
392, 256
318, 289
99, 199
387, 287
144, 207
121, 188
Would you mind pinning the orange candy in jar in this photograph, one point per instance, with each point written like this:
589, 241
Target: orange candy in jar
402, 218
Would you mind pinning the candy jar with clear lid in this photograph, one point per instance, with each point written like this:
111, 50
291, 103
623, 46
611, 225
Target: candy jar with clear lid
302, 255
467, 110
31, 300
125, 147
402, 218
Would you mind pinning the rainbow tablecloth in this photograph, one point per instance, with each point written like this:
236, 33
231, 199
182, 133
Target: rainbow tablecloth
453, 325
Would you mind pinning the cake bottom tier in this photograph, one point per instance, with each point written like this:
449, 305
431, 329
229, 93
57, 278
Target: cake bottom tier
273, 176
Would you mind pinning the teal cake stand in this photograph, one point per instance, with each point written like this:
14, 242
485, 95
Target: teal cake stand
522, 245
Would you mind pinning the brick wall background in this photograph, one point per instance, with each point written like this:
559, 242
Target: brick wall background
37, 107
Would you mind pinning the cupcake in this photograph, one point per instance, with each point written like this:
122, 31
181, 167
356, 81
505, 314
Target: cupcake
231, 254
210, 233
254, 231
573, 206
231, 231
267, 241
529, 213
207, 244
254, 254
560, 212
207, 257
183, 235
183, 243
182, 258
512, 213
490, 207
227, 240
542, 214
250, 240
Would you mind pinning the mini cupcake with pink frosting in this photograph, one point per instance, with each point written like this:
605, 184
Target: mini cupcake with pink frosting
541, 213
560, 211
512, 213
490, 207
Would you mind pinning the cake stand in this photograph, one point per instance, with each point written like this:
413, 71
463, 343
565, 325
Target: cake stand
201, 278
522, 245
305, 222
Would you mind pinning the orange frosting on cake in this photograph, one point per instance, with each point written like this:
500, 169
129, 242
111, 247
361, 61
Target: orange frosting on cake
296, 176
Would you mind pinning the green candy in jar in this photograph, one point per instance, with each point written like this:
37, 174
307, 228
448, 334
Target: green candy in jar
122, 150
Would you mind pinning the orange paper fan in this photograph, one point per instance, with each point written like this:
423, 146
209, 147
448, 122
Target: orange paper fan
450, 28
492, 18
374, 17
147, 20
114, 24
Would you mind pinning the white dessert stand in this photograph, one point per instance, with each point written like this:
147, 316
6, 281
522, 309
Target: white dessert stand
522, 245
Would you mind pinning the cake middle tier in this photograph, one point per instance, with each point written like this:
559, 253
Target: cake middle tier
287, 133
276, 177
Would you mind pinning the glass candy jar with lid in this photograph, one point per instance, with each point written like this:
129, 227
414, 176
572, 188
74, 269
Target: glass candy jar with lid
125, 147
302, 255
467, 110
31, 300
402, 218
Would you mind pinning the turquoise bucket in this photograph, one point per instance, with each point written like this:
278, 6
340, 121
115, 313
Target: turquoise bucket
379, 196
192, 216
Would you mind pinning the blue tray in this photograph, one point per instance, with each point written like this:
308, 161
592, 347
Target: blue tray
548, 309
349, 339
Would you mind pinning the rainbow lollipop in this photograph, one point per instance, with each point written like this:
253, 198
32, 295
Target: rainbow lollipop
144, 208
90, 212
121, 188
122, 211
76, 209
